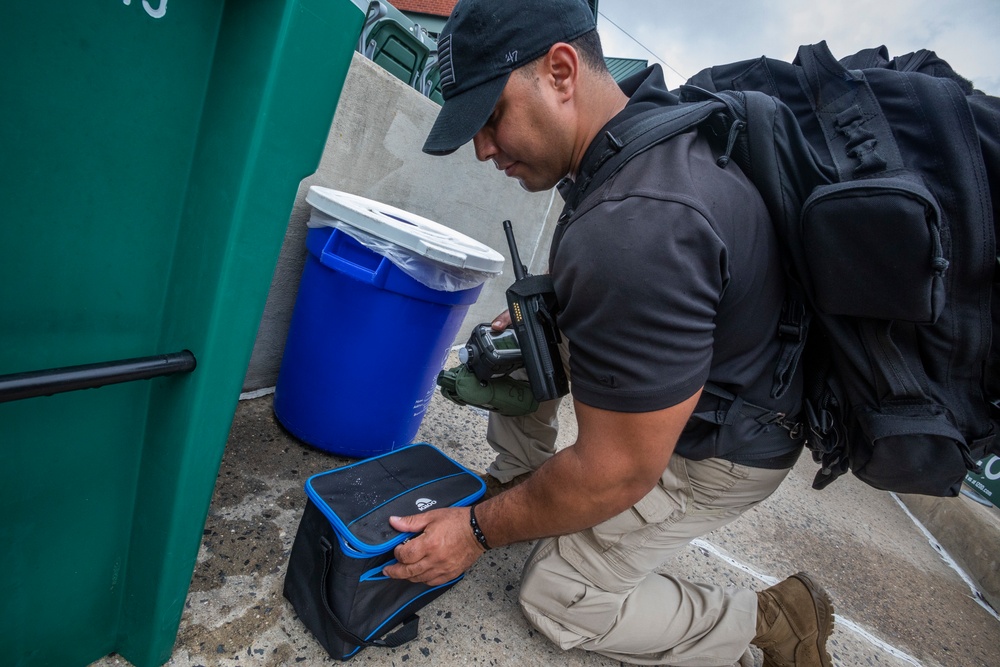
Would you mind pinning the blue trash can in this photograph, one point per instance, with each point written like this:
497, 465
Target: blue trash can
367, 338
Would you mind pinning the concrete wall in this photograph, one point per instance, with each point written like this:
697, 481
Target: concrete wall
374, 151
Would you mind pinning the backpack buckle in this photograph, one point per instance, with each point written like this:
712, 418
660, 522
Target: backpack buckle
793, 427
792, 325
792, 332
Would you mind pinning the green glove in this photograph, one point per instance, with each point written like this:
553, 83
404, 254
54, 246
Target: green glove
509, 397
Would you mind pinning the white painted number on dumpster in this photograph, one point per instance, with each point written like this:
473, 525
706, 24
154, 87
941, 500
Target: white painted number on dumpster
155, 13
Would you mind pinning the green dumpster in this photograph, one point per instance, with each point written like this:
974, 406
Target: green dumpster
149, 159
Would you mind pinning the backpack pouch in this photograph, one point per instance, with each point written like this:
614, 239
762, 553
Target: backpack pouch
874, 250
913, 448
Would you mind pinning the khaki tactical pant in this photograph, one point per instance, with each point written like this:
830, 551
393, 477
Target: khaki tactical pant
599, 590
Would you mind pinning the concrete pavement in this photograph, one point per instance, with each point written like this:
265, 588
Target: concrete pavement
898, 601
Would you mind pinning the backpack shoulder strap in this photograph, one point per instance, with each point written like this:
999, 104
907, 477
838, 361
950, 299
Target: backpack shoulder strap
611, 152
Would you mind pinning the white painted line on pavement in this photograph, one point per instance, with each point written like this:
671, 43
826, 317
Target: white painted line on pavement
248, 395
949, 561
891, 650
721, 555
843, 622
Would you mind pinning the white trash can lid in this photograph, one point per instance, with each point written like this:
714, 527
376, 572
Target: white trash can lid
408, 230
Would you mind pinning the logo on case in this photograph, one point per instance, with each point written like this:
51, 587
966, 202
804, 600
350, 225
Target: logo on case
425, 503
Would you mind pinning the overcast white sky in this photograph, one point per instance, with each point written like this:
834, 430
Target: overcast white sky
690, 35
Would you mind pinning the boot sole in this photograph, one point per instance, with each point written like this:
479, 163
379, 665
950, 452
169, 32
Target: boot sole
824, 615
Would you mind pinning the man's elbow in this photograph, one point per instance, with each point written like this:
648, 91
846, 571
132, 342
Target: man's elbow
629, 490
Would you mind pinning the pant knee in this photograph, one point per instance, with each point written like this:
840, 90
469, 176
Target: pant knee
562, 605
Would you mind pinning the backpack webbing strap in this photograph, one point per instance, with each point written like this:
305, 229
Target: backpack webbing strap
721, 407
767, 134
793, 327
856, 130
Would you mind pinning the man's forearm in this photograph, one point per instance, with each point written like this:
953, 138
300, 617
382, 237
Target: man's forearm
616, 460
561, 497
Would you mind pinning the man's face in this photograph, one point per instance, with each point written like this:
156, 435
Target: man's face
524, 136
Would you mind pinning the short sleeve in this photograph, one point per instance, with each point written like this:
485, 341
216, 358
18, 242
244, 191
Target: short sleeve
639, 281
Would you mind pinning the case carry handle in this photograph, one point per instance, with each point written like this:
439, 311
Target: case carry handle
407, 632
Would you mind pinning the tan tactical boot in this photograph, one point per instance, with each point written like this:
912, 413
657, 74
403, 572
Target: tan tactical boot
794, 620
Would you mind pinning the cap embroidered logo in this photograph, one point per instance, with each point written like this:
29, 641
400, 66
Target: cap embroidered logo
447, 67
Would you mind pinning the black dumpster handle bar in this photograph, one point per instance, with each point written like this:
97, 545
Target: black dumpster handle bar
17, 386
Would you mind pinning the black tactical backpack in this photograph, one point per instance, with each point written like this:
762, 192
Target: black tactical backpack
879, 175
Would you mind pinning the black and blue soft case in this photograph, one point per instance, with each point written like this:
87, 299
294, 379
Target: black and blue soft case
334, 579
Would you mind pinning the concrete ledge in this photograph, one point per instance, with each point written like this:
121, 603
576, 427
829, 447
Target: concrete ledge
969, 532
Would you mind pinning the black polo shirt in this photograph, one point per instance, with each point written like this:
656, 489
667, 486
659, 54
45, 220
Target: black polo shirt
668, 276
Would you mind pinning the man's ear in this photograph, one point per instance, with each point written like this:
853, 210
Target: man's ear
562, 67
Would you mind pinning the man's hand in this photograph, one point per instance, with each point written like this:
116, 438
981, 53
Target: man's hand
501, 321
444, 549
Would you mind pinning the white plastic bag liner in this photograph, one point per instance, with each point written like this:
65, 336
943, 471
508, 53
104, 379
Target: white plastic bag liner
430, 253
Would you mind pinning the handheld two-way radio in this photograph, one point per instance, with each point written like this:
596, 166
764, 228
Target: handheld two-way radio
531, 302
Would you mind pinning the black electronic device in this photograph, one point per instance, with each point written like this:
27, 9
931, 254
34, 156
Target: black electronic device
532, 305
490, 354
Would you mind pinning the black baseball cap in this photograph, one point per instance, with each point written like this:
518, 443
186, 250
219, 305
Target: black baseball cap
484, 41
